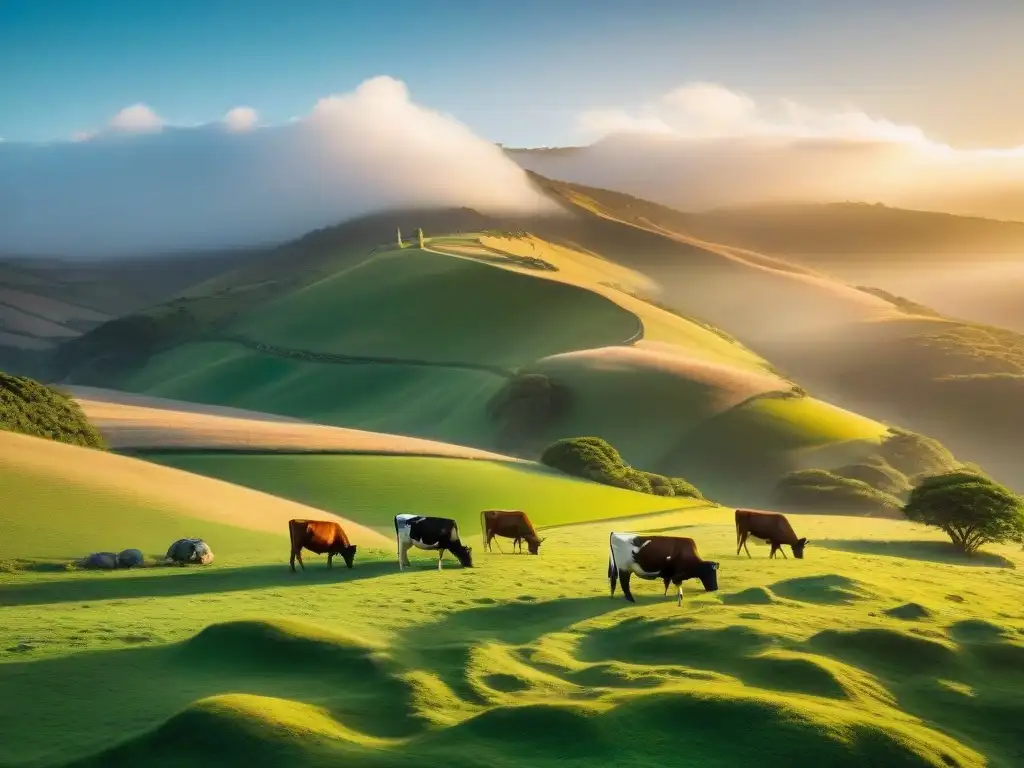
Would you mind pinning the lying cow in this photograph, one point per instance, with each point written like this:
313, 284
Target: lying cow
772, 527
319, 536
438, 533
512, 524
669, 558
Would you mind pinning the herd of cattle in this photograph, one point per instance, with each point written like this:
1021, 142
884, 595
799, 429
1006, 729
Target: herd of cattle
673, 559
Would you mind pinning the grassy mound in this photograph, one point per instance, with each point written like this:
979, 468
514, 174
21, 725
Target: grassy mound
644, 399
762, 439
818, 490
372, 489
72, 501
388, 307
31, 408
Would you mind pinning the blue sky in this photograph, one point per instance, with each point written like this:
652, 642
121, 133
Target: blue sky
516, 72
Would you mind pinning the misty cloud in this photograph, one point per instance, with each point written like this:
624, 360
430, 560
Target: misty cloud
143, 184
703, 146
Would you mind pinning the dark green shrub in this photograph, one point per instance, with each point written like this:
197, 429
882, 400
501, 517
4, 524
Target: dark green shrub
972, 509
31, 408
595, 459
912, 454
683, 488
876, 473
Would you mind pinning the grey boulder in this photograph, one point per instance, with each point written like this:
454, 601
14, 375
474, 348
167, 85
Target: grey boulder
130, 558
104, 560
190, 551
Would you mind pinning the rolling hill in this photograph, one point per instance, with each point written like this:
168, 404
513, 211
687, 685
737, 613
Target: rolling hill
436, 342
73, 501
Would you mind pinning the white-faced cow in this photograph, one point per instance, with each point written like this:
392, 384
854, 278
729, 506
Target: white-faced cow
319, 536
669, 558
438, 533
772, 527
512, 524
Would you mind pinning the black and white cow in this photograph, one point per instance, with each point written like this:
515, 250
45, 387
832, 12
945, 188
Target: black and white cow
673, 559
438, 533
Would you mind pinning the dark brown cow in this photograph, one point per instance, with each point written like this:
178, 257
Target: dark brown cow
512, 524
669, 558
319, 536
772, 527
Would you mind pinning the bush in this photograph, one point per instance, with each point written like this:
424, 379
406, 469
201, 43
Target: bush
593, 458
972, 509
31, 408
820, 490
876, 473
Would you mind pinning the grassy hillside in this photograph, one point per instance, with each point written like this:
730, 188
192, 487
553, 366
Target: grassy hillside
876, 648
373, 489
72, 501
152, 423
31, 408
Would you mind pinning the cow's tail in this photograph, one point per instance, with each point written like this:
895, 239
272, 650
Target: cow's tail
613, 570
483, 528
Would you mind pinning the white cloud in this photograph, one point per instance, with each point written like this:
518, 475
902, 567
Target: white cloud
702, 145
241, 119
138, 118
188, 187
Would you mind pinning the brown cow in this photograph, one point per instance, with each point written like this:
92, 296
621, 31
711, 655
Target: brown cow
319, 536
671, 558
512, 524
772, 527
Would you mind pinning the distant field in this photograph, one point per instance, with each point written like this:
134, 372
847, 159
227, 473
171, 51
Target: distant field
177, 425
877, 649
440, 403
65, 502
373, 489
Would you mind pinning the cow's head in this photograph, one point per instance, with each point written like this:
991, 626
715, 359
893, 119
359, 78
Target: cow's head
349, 553
533, 544
798, 549
465, 555
708, 575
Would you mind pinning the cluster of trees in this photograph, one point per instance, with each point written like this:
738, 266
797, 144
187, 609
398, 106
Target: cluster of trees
31, 408
593, 458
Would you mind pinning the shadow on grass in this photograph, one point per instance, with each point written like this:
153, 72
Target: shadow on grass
444, 646
175, 582
932, 551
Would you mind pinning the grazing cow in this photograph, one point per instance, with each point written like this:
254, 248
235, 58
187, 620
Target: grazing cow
438, 533
512, 524
319, 536
669, 558
773, 527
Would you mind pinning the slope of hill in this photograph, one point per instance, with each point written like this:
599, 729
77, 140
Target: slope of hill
145, 424
72, 501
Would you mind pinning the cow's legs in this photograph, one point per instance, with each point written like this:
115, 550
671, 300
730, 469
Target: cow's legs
330, 558
771, 555
296, 553
745, 546
403, 555
624, 577
783, 552
613, 577
440, 554
679, 600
